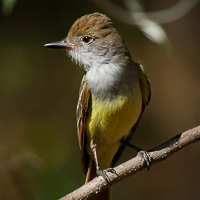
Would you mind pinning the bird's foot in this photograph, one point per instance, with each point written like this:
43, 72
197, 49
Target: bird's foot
103, 173
145, 157
143, 154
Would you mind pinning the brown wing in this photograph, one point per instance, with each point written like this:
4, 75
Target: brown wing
146, 95
82, 106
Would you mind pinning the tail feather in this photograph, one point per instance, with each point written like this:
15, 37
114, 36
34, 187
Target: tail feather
91, 173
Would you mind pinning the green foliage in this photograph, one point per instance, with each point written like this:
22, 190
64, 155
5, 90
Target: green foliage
7, 6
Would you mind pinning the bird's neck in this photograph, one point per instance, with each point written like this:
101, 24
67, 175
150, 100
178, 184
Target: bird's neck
110, 80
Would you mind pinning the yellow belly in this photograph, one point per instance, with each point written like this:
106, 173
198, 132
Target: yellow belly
110, 120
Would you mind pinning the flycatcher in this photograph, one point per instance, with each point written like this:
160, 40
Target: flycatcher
113, 93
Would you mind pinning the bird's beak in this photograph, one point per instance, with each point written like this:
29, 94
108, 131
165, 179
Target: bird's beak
61, 45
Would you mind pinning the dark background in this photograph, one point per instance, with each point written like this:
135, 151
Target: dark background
39, 152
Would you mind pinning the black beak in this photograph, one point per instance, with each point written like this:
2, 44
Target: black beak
61, 45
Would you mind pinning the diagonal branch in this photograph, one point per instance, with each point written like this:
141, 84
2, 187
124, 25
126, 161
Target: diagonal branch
136, 164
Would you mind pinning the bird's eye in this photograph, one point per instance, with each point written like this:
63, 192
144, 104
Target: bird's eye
87, 39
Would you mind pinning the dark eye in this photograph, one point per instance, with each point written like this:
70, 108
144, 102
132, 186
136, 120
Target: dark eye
87, 39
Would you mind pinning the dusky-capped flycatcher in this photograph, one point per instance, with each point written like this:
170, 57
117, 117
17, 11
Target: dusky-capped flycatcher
113, 93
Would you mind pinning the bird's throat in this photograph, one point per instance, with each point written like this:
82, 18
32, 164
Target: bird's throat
108, 80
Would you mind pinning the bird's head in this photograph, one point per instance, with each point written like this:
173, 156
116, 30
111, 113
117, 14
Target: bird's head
92, 41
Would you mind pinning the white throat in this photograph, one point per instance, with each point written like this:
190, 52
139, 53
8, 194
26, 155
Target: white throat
104, 76
110, 79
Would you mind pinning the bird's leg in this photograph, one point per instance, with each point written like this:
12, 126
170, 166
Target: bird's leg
143, 154
99, 171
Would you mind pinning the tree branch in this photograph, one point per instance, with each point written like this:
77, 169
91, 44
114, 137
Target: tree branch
136, 164
131, 17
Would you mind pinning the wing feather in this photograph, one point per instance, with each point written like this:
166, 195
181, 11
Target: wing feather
81, 112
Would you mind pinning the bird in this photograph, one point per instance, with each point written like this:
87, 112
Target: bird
113, 94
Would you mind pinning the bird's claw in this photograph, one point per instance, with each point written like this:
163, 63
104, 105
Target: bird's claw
145, 157
103, 173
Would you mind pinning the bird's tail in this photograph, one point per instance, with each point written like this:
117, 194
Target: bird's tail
91, 173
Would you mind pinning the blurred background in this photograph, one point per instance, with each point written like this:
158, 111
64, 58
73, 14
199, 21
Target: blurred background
39, 152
